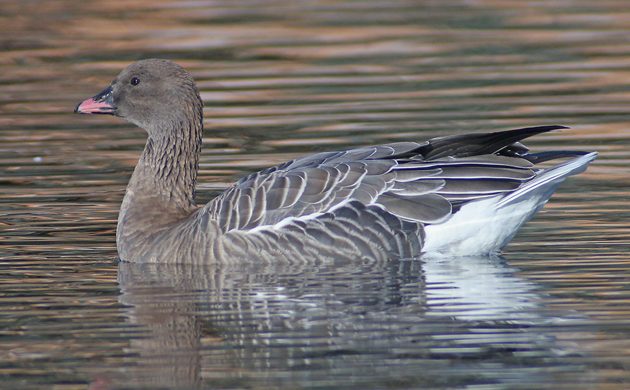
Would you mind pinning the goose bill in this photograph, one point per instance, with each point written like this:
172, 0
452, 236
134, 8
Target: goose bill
99, 104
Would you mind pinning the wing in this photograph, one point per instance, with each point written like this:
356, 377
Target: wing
418, 182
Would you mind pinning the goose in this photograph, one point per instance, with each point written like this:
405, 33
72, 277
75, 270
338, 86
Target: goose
458, 195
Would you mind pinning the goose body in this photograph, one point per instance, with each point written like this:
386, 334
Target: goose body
460, 195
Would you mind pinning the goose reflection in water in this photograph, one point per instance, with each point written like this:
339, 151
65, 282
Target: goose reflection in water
209, 325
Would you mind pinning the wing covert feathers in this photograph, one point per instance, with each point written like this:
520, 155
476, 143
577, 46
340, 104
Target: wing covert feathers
395, 188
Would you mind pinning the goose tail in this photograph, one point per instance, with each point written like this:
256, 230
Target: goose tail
484, 227
544, 185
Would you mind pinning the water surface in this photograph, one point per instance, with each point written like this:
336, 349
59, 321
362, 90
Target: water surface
280, 79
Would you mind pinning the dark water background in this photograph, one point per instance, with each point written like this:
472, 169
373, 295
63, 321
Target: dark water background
285, 78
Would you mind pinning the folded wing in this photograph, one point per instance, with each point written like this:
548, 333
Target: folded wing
417, 182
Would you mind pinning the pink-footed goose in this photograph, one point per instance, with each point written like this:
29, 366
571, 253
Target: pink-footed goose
458, 195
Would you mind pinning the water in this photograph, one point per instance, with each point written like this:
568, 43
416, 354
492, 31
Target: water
281, 79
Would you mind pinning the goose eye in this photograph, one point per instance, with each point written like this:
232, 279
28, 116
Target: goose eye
135, 81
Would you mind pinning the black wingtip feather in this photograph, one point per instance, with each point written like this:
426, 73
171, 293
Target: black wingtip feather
480, 143
526, 132
537, 158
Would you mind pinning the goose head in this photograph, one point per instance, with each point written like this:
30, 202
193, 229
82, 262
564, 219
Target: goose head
154, 94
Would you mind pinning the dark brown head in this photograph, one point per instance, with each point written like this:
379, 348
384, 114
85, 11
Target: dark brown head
154, 94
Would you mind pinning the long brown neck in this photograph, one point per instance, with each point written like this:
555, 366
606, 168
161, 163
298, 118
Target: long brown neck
162, 188
167, 170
